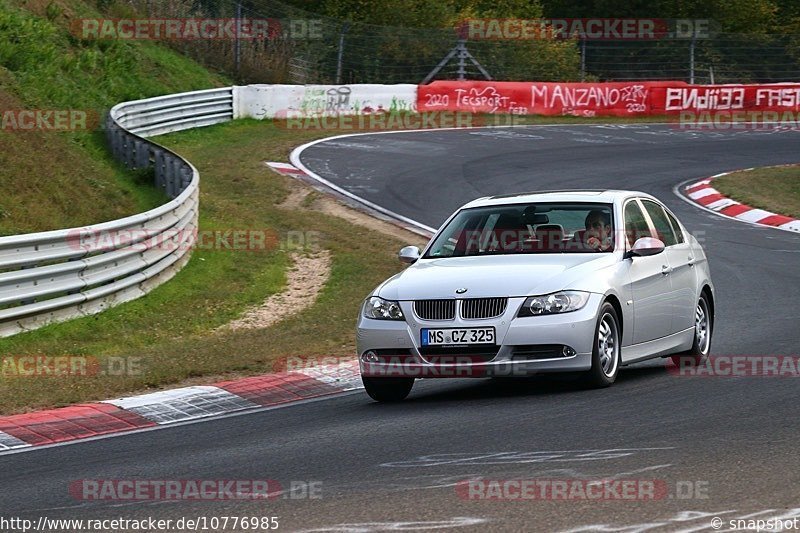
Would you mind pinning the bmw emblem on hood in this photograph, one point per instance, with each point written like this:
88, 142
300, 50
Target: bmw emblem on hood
461, 291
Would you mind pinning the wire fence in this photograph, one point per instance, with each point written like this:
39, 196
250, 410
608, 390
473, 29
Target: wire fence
306, 48
724, 58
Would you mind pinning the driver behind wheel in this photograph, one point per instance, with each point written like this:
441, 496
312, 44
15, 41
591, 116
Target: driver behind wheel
598, 234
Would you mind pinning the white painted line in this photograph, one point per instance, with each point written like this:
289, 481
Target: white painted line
10, 442
186, 403
754, 215
294, 157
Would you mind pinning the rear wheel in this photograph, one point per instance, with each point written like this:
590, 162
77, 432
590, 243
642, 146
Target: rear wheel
387, 389
606, 351
702, 336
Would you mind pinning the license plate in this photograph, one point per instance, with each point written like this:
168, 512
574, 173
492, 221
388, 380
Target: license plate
456, 336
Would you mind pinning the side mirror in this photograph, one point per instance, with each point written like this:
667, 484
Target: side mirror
409, 254
646, 246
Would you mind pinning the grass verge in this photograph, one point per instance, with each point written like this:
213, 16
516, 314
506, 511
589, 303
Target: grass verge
775, 189
54, 179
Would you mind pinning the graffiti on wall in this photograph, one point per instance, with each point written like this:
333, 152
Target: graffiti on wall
347, 100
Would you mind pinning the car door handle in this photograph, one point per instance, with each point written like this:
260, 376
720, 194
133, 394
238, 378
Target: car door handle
690, 261
666, 269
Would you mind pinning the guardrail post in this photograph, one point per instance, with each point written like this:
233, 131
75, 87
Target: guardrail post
186, 176
130, 154
177, 176
123, 148
142, 154
122, 145
114, 136
169, 176
158, 165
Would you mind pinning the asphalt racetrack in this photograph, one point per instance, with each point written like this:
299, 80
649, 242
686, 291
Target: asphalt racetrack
722, 447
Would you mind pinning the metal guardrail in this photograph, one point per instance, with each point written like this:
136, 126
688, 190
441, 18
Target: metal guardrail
57, 275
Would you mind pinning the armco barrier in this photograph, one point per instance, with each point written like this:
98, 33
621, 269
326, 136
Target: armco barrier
52, 276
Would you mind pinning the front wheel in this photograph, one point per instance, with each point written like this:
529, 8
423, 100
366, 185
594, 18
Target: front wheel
387, 389
606, 351
702, 337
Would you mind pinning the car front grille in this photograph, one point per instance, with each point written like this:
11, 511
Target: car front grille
471, 308
483, 307
435, 309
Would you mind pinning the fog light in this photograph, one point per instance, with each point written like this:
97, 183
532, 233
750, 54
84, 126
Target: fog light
370, 357
567, 351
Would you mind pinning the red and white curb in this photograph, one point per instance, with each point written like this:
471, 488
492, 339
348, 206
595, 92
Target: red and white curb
705, 195
83, 421
287, 169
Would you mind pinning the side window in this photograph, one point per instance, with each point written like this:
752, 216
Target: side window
661, 222
635, 224
677, 227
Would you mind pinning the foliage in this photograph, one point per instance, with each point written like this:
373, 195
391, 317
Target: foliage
51, 179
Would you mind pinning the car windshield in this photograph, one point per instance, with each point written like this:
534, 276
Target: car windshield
527, 228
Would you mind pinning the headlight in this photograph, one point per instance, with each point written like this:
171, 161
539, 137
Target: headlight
381, 309
558, 302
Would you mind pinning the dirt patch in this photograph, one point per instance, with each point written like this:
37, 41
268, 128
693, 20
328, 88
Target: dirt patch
294, 200
304, 281
331, 206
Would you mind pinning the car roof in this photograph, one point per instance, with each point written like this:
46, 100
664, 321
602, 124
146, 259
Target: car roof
582, 195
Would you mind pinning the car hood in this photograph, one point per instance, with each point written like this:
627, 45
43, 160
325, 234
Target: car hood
500, 275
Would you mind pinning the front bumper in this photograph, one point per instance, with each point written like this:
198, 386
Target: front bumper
397, 344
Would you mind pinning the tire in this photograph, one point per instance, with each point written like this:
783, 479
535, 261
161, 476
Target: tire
703, 328
606, 349
388, 389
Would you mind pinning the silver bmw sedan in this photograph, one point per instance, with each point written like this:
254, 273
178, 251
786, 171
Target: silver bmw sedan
514, 285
